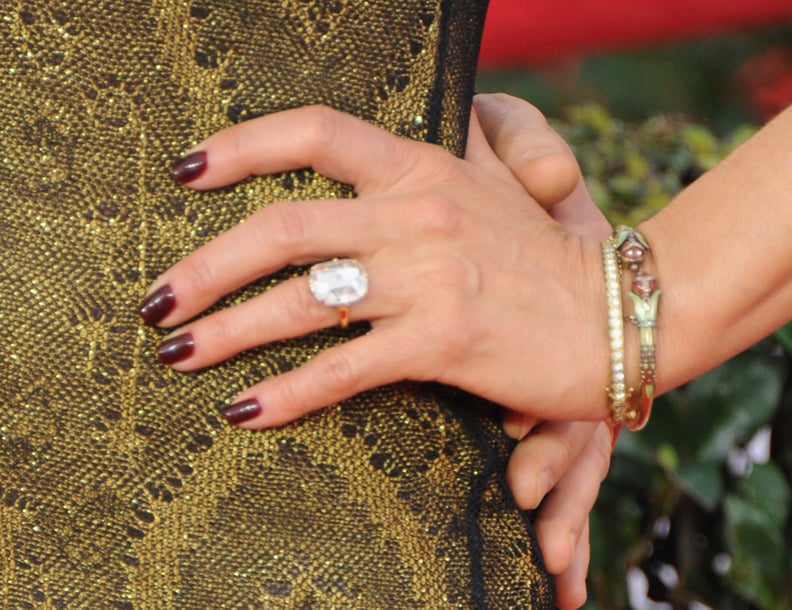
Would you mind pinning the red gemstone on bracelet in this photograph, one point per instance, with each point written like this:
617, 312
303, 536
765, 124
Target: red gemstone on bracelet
644, 284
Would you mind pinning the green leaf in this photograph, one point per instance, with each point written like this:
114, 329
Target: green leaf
700, 140
758, 553
730, 403
767, 489
755, 518
784, 335
703, 482
668, 458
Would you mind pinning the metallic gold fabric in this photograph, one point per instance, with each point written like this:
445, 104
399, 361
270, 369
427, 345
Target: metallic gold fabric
120, 484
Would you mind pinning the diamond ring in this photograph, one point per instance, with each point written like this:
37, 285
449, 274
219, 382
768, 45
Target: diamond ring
339, 283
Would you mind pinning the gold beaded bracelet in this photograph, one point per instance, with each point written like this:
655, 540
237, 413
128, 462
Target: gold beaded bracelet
626, 248
617, 391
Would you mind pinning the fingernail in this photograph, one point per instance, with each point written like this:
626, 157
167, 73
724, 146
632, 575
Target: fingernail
176, 348
243, 411
157, 305
189, 167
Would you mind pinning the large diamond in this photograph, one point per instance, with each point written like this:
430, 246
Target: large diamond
338, 282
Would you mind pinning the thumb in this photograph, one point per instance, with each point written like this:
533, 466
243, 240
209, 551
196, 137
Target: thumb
523, 140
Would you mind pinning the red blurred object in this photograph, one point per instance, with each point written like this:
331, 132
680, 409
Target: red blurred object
766, 81
520, 32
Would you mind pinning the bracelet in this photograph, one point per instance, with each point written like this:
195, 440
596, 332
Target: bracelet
617, 392
632, 247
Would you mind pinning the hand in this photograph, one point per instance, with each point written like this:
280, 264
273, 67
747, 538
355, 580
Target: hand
557, 466
472, 284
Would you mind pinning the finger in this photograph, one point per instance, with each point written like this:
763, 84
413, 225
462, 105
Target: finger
274, 237
381, 357
337, 145
564, 513
523, 140
571, 584
542, 458
285, 311
517, 425
479, 151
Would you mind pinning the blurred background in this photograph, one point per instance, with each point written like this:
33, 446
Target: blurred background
718, 62
695, 513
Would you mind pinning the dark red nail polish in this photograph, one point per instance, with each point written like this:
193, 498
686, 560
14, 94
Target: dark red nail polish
157, 305
189, 167
242, 411
176, 348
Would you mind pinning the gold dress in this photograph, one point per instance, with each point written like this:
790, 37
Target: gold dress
121, 486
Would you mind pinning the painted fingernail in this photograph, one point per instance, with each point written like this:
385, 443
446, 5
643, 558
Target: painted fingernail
189, 168
176, 348
157, 305
243, 411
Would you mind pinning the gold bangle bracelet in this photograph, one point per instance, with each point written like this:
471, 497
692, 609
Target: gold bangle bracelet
632, 247
617, 391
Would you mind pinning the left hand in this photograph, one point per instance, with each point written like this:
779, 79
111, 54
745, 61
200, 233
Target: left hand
557, 467
472, 283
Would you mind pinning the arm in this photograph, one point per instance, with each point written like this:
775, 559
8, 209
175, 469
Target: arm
722, 251
500, 299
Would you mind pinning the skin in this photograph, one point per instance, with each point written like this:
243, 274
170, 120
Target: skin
501, 299
551, 458
467, 273
558, 466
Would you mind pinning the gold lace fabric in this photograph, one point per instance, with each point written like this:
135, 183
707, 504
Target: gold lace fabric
120, 484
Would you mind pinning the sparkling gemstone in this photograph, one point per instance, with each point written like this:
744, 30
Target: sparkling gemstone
338, 282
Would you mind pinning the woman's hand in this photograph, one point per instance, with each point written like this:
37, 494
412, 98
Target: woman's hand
472, 283
557, 467
538, 158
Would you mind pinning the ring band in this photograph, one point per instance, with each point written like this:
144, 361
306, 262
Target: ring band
343, 316
339, 282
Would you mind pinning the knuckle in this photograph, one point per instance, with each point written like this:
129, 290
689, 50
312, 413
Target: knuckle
440, 216
283, 395
200, 275
336, 373
320, 126
453, 275
291, 226
223, 332
237, 142
439, 270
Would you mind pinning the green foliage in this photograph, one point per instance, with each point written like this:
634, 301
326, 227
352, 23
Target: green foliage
684, 491
633, 171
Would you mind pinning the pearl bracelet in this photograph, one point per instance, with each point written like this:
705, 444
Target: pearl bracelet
617, 392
